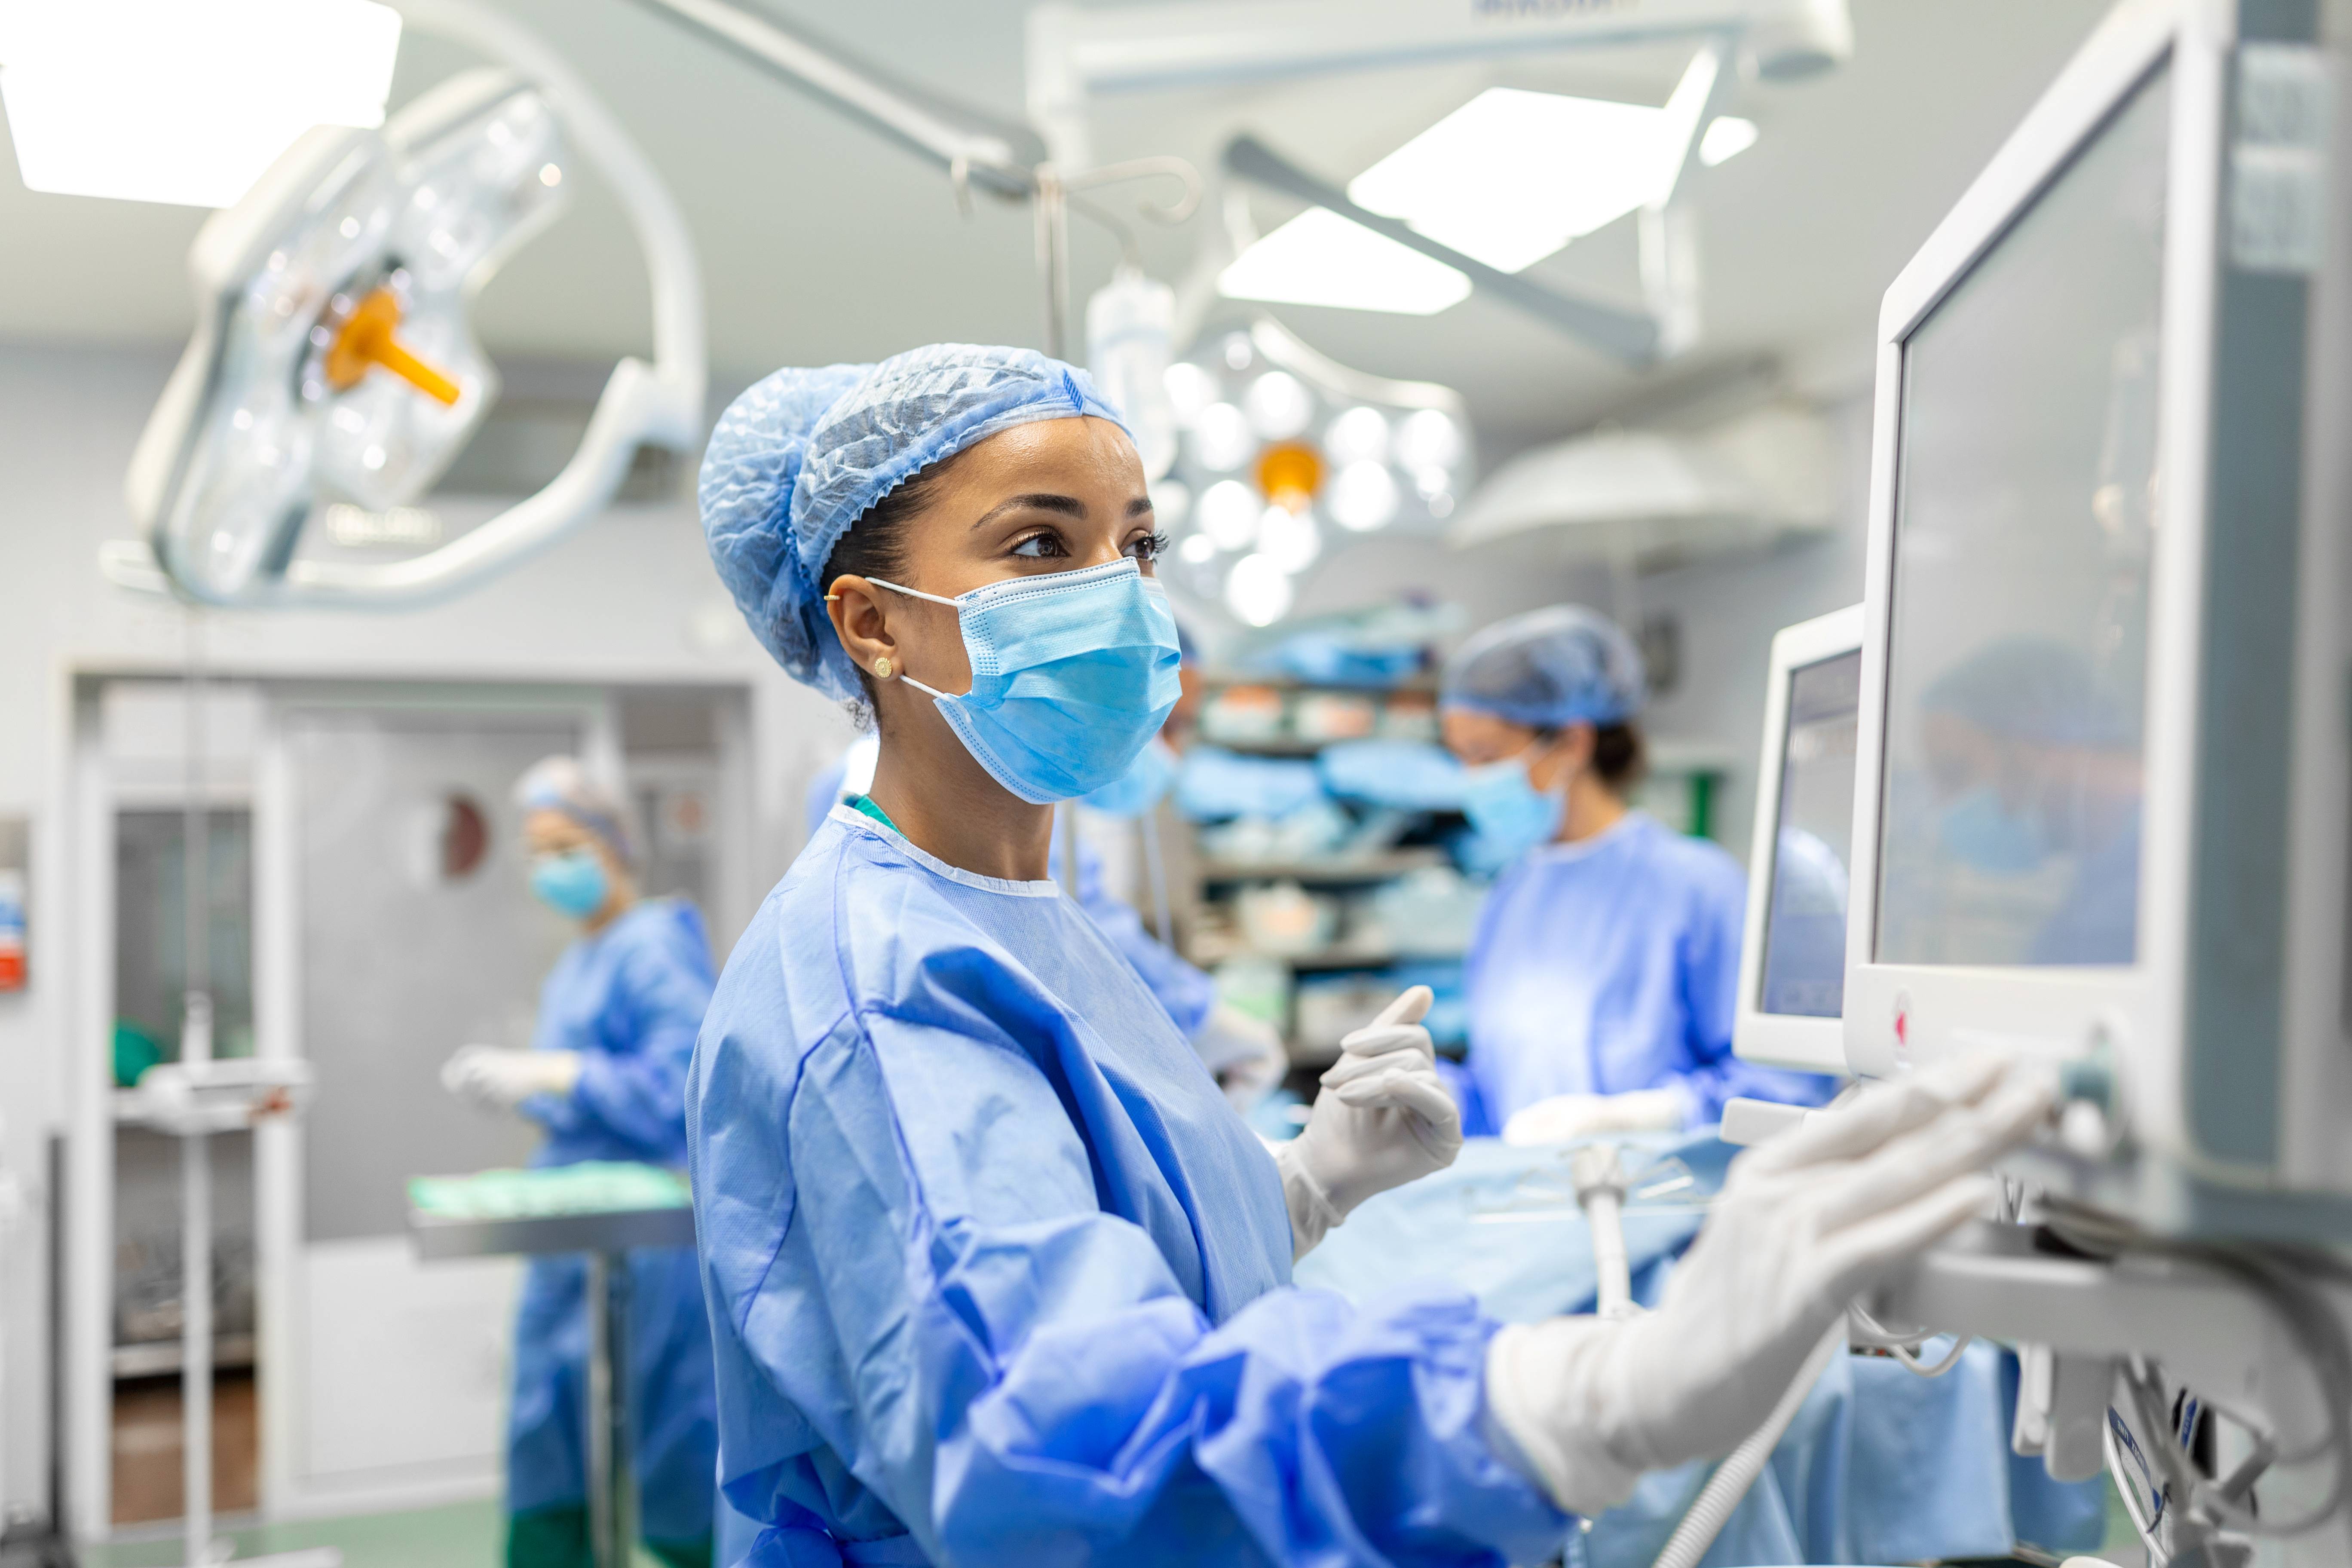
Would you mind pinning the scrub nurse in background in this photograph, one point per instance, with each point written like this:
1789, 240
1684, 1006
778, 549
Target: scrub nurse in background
606, 1075
1603, 972
996, 1275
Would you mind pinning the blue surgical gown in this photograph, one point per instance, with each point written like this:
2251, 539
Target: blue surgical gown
1608, 966
629, 999
996, 1275
1189, 995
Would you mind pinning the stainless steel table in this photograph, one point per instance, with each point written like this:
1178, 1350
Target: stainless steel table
604, 1238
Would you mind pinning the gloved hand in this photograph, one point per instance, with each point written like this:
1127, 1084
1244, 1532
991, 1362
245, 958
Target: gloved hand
1382, 1118
1564, 1118
1243, 1053
502, 1078
1804, 1223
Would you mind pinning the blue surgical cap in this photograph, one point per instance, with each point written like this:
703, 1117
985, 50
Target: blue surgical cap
1550, 668
560, 784
800, 456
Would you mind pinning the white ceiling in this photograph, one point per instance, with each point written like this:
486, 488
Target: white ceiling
819, 242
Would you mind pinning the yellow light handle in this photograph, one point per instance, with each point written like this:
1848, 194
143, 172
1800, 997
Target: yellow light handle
366, 339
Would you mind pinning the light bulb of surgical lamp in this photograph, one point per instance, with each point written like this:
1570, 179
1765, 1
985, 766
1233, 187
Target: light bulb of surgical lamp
1279, 405
1289, 539
1359, 435
1258, 591
1171, 502
1237, 352
1363, 496
1190, 388
1221, 438
1229, 514
1198, 550
1429, 438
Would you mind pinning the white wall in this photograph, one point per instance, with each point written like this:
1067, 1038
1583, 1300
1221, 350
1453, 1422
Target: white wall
1728, 612
632, 599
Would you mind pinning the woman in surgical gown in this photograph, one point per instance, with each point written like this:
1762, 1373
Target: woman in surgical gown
995, 1274
1602, 973
606, 1075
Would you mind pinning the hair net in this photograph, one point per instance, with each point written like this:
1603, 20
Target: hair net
800, 456
1550, 668
561, 783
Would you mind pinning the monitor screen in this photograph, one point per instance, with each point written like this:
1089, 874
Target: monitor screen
1803, 972
2017, 651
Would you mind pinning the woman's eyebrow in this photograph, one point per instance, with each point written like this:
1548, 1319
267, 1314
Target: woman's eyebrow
1138, 506
1069, 506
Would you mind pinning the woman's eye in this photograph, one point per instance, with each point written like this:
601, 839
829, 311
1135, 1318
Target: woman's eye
1039, 546
1151, 547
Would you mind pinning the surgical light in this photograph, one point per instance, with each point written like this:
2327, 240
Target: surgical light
1229, 514
1429, 438
1198, 550
184, 102
1190, 389
1727, 137
1172, 501
1289, 539
1363, 496
1359, 435
1279, 406
1513, 176
1258, 591
1221, 438
1320, 259
334, 360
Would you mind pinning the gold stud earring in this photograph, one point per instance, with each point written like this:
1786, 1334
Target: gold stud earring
882, 667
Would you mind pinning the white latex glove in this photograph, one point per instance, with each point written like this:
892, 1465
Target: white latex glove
1243, 1053
1566, 1117
1804, 1223
502, 1078
1382, 1118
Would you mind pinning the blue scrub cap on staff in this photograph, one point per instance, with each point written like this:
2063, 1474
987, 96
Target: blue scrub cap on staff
1549, 667
560, 784
800, 456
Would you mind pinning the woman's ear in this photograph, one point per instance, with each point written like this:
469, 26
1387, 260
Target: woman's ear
856, 606
1569, 754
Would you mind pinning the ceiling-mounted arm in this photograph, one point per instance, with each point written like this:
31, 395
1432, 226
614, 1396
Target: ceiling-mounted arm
1624, 334
970, 143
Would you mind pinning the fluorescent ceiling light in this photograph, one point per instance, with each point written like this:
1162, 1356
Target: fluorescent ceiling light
1511, 176
184, 102
1320, 259
1727, 137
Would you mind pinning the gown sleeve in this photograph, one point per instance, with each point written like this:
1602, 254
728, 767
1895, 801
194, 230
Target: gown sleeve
1710, 982
632, 1081
916, 1250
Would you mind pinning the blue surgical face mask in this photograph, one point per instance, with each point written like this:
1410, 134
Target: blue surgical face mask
1139, 788
1507, 812
1978, 830
572, 883
1072, 674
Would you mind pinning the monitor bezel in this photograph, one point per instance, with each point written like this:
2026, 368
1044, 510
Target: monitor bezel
1897, 1014
1785, 1039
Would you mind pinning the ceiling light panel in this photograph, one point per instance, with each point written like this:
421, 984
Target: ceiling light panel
184, 102
1320, 259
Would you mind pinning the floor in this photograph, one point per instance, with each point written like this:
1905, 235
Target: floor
462, 1535
147, 1449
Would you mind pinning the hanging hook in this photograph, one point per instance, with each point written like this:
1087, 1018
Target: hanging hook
1160, 165
959, 180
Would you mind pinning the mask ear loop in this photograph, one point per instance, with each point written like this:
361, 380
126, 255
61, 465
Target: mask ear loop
934, 694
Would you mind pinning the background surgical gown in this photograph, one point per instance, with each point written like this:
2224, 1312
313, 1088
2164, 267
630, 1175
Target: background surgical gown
629, 999
996, 1275
1609, 965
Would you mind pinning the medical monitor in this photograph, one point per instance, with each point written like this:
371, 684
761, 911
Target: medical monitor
1792, 961
2100, 811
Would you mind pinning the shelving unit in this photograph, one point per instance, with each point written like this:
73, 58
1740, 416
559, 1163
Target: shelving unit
1682, 789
